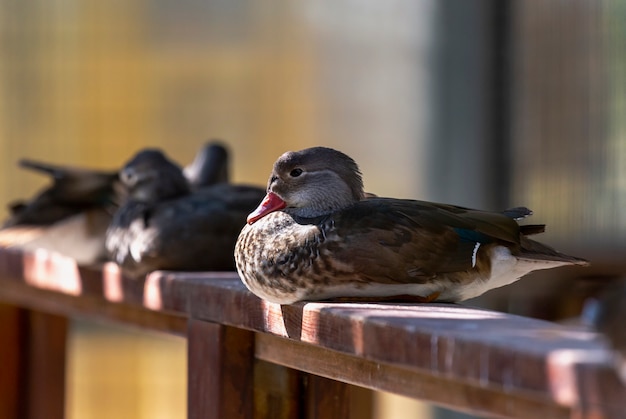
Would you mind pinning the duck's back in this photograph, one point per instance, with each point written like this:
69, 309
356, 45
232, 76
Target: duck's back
195, 232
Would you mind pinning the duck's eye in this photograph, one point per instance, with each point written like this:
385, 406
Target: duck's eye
295, 172
128, 176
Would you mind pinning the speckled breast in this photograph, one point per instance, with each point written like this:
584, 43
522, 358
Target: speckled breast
280, 259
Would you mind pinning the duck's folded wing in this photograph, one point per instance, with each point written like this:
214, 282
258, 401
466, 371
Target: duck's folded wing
406, 242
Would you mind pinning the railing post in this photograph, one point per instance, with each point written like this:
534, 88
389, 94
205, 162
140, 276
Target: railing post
32, 377
11, 353
326, 398
220, 365
277, 391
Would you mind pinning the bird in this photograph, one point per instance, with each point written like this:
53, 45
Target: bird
73, 190
165, 224
317, 235
210, 166
71, 215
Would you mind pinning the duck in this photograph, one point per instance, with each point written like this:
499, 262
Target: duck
73, 190
77, 189
167, 224
71, 215
316, 235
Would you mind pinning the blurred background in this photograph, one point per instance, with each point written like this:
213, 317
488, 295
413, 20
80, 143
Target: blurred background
480, 103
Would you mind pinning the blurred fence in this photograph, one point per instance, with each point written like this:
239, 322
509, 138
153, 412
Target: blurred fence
483, 103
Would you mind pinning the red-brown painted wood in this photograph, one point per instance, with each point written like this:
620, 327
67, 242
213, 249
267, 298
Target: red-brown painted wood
12, 330
325, 398
32, 376
45, 382
277, 391
470, 359
220, 371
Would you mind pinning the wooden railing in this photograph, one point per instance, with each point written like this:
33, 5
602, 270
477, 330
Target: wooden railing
249, 358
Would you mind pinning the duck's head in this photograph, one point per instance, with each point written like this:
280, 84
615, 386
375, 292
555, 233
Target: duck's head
310, 183
210, 166
150, 176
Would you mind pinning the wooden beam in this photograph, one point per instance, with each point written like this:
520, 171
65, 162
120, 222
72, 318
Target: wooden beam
220, 371
277, 391
286, 393
458, 356
12, 336
32, 378
46, 349
325, 398
416, 384
93, 307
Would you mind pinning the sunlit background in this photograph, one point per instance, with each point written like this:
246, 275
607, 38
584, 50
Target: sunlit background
480, 103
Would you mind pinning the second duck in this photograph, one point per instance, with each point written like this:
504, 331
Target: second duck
165, 225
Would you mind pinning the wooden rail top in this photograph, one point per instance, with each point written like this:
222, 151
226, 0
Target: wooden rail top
471, 359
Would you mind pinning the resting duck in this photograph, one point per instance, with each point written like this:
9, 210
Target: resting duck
72, 214
316, 236
164, 225
76, 189
73, 190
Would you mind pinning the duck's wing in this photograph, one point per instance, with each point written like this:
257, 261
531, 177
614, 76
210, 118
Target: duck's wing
72, 191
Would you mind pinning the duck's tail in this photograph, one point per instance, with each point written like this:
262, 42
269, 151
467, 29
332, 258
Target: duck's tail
533, 250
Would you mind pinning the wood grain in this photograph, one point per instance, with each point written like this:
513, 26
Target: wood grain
466, 358
377, 376
277, 391
220, 371
12, 335
45, 380
325, 398
32, 377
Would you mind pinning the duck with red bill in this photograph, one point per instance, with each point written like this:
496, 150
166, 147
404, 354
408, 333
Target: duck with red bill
318, 236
